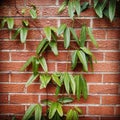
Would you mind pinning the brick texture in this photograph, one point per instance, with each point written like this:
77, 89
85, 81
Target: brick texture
103, 102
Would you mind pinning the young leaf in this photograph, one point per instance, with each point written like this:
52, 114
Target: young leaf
74, 59
61, 29
10, 22
74, 35
86, 50
29, 112
25, 23
112, 8
43, 64
16, 33
77, 7
31, 79
52, 110
66, 38
69, 115
84, 6
59, 109
53, 46
83, 36
75, 115
71, 9
62, 7
47, 31
45, 79
33, 13
28, 62
83, 60
23, 34
65, 100
78, 110
56, 79
38, 112
89, 31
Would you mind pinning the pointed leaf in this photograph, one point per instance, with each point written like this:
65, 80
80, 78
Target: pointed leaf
74, 59
3, 22
71, 9
86, 50
29, 112
23, 34
61, 29
65, 100
16, 33
84, 6
38, 112
46, 102
59, 109
83, 60
53, 46
62, 7
104, 4
89, 31
28, 62
78, 110
31, 79
35, 65
47, 31
33, 13
67, 38
95, 3
43, 64
57, 91
10, 22
112, 8
75, 115
56, 79
25, 23
77, 7
69, 115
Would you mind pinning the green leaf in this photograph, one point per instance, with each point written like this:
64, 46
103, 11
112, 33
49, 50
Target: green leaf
78, 110
31, 79
57, 91
23, 34
83, 60
106, 12
53, 46
59, 109
56, 79
67, 38
25, 23
52, 110
67, 82
61, 29
77, 7
35, 65
29, 112
45, 79
83, 36
54, 36
65, 100
74, 59
41, 46
72, 84
95, 2
46, 102
74, 35
84, 6
16, 33
69, 115
3, 22
104, 4
38, 112
10, 22
62, 7
71, 9
33, 13
112, 8
75, 115
28, 62
89, 31
47, 31
86, 50
43, 64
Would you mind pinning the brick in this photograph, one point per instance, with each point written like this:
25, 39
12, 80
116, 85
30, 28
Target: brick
111, 100
103, 89
110, 118
100, 110
16, 109
13, 88
32, 45
4, 56
105, 23
112, 78
3, 98
117, 110
99, 34
19, 99
4, 10
77, 22
88, 118
38, 2
10, 66
11, 45
4, 77
98, 55
4, 34
113, 34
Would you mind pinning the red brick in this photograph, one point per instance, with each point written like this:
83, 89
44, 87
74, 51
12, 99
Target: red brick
88, 118
4, 56
18, 109
99, 34
100, 110
77, 22
23, 99
4, 34
111, 118
13, 88
32, 45
113, 34
105, 23
117, 110
11, 45
4, 77
3, 98
112, 78
111, 100
103, 89
98, 56
4, 10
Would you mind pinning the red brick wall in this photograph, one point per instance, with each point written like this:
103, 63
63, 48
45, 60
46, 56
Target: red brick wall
103, 102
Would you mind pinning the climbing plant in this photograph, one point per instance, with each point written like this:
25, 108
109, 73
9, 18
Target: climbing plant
72, 84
